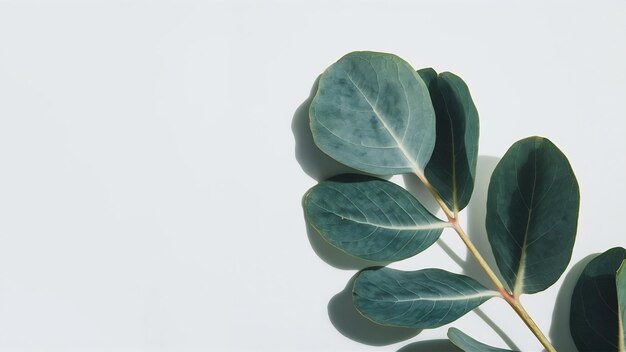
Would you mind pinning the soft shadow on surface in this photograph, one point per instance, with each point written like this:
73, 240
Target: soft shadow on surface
350, 323
450, 252
334, 256
476, 215
311, 159
431, 346
492, 324
559, 330
421, 193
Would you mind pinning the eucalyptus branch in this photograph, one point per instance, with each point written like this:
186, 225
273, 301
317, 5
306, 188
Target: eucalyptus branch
375, 113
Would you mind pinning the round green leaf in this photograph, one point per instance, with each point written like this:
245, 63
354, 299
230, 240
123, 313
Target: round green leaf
452, 166
371, 218
594, 312
532, 214
422, 299
373, 112
468, 344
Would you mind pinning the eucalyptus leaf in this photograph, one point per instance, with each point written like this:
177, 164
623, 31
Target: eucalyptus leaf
422, 299
452, 166
594, 312
532, 214
371, 218
468, 344
373, 112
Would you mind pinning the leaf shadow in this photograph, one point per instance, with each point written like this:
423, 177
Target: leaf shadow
421, 193
350, 323
476, 215
441, 345
559, 329
312, 160
320, 166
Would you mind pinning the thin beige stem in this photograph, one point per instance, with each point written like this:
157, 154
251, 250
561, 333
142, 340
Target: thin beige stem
431, 189
506, 295
479, 258
519, 309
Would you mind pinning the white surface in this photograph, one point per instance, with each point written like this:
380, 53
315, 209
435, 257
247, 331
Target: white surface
149, 190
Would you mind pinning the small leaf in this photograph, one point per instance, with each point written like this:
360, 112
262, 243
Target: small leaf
420, 299
452, 166
373, 112
371, 218
594, 312
532, 214
468, 344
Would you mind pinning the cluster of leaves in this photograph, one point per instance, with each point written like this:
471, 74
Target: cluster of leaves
375, 113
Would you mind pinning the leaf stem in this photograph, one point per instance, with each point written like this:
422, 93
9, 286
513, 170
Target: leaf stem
519, 309
431, 189
512, 300
479, 258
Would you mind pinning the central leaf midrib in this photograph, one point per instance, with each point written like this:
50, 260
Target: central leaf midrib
439, 298
393, 136
455, 205
519, 280
429, 226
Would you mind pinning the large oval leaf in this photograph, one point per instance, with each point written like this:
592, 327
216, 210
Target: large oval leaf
532, 214
452, 167
468, 344
373, 112
594, 318
420, 299
371, 218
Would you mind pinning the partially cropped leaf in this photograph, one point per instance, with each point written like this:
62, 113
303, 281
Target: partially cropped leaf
452, 167
371, 218
620, 282
468, 344
420, 299
532, 214
594, 313
373, 112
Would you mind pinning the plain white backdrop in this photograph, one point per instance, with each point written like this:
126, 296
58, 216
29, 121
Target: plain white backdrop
153, 156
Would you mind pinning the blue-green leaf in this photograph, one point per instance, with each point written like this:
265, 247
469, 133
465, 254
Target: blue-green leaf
373, 112
420, 299
371, 218
468, 344
452, 166
532, 214
594, 312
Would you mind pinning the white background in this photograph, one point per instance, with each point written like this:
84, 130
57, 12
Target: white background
153, 156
